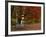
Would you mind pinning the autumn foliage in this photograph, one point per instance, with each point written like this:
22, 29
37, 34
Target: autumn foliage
31, 13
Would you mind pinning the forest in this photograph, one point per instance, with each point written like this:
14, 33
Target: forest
25, 15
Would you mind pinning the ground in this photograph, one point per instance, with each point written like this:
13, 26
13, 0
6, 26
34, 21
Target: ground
36, 26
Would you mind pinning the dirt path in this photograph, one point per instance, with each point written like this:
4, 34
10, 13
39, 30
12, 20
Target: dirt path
36, 26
